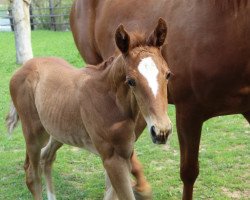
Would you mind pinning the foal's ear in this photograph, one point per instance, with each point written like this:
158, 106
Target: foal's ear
158, 36
122, 39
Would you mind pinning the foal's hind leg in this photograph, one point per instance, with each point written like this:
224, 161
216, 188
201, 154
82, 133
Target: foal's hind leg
48, 155
35, 138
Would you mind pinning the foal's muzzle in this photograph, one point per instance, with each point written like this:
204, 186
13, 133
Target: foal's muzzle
160, 136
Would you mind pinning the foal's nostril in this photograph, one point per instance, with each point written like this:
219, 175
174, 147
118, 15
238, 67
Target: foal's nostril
152, 130
160, 136
153, 134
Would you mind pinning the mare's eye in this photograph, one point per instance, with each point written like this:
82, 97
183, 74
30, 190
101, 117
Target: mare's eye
131, 82
168, 74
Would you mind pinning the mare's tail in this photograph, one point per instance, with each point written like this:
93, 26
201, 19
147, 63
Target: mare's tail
12, 118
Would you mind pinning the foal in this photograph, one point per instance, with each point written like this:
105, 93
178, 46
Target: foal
95, 108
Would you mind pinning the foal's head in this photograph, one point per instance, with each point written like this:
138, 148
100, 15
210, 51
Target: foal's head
147, 75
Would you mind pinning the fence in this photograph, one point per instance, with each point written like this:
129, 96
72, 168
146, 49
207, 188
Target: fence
52, 18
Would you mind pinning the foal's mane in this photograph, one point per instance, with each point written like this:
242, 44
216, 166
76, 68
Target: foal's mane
137, 39
115, 73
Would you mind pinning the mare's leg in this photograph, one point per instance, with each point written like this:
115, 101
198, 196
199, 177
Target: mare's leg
247, 116
118, 169
189, 124
85, 36
48, 155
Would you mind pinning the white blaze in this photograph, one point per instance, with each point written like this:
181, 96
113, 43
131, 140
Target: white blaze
149, 70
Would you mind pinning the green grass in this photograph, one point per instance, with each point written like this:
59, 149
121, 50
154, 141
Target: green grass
224, 151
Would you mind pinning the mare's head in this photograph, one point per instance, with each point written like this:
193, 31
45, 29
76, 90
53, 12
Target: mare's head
147, 75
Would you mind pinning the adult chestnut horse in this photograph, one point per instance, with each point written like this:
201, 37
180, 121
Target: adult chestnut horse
208, 52
95, 108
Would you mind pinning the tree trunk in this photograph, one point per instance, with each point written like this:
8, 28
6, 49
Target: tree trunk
21, 18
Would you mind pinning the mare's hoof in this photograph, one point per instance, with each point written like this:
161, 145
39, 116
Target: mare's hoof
143, 195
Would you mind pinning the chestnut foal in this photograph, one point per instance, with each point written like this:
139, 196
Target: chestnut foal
96, 108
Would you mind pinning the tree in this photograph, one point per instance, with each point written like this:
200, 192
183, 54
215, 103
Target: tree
21, 19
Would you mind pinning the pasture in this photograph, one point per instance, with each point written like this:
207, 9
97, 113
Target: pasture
224, 150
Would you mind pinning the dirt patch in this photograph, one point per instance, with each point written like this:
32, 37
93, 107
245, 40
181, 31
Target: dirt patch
236, 194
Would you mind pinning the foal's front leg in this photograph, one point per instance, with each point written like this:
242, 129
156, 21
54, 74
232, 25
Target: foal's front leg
142, 189
110, 193
118, 169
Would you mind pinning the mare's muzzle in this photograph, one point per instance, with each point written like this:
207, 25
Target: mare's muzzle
160, 136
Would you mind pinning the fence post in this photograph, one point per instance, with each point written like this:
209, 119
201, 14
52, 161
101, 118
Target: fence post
32, 25
52, 17
11, 18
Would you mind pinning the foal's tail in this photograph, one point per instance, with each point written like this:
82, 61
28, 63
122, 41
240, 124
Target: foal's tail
12, 118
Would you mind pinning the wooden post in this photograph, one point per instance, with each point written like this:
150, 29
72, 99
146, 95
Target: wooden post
21, 19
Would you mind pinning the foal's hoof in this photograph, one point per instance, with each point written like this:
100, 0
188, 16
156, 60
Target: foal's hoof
143, 195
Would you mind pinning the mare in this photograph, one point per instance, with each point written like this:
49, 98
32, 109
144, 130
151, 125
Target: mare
208, 52
95, 108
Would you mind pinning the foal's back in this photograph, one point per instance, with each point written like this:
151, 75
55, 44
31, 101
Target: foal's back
41, 76
39, 69
47, 89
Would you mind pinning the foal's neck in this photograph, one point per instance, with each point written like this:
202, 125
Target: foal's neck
116, 72
125, 99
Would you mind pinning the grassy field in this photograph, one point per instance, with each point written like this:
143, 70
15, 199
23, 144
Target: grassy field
224, 151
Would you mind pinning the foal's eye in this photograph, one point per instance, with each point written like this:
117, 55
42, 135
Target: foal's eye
131, 82
168, 74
